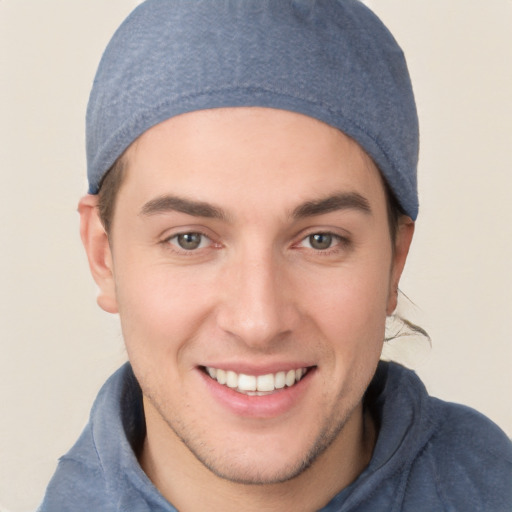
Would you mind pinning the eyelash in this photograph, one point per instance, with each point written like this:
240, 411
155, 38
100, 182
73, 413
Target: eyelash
188, 252
337, 242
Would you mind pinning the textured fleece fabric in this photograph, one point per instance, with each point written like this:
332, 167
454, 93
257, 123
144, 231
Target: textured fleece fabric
430, 456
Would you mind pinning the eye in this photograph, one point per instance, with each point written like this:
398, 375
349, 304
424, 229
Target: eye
190, 241
321, 241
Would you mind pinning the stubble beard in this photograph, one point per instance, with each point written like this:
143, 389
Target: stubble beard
251, 475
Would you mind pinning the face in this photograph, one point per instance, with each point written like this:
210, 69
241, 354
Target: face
251, 264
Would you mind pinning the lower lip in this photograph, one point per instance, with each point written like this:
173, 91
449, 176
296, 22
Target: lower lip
265, 406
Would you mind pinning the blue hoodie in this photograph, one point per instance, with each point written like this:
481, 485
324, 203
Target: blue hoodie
430, 455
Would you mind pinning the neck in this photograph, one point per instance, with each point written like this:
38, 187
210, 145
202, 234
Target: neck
190, 486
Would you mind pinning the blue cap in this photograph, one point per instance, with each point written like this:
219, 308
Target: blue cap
333, 60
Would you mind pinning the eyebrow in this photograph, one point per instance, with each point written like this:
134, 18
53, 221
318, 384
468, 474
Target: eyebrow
170, 203
342, 201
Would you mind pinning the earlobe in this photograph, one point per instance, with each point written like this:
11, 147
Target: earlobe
98, 252
404, 234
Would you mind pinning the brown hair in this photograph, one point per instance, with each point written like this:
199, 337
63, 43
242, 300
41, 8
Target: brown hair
109, 188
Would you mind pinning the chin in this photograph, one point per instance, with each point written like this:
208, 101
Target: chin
265, 461
252, 473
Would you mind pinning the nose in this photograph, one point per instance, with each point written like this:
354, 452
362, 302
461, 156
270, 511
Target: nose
257, 307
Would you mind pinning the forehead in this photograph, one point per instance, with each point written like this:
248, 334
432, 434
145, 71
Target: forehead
263, 156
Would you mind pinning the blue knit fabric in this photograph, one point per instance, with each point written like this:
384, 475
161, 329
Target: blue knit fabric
330, 59
430, 456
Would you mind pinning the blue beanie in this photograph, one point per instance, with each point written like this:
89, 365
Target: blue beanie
329, 59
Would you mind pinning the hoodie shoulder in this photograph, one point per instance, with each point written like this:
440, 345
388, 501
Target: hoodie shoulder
464, 428
78, 483
469, 458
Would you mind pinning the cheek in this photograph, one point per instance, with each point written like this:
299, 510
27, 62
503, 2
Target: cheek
349, 305
160, 311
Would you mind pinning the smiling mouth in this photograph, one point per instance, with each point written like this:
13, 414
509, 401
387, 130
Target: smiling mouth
256, 385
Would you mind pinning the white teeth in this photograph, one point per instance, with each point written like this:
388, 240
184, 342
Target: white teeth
221, 376
247, 382
265, 382
231, 379
280, 380
290, 378
256, 385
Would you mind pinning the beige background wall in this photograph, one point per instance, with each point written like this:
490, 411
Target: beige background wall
57, 347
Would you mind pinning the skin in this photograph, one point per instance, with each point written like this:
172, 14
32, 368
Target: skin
255, 296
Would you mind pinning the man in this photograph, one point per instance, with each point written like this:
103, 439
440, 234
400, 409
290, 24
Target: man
252, 172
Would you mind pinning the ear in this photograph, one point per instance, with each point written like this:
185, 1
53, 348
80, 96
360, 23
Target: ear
97, 247
403, 241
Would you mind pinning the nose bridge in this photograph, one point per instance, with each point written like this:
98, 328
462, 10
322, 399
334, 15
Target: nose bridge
254, 306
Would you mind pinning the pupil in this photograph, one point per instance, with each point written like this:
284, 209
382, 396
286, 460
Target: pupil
320, 241
189, 241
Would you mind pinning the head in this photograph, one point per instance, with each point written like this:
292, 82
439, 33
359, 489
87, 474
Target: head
253, 229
